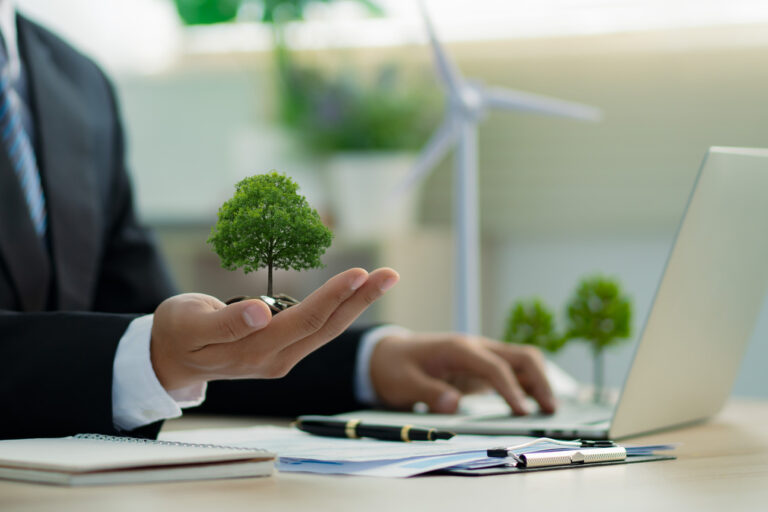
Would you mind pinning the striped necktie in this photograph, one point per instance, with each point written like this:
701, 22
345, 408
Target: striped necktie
16, 143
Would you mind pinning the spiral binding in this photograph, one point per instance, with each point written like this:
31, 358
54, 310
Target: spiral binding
154, 442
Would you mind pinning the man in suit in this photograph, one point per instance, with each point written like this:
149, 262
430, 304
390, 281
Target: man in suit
92, 338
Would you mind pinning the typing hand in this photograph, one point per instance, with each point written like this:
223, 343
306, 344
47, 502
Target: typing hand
438, 368
197, 338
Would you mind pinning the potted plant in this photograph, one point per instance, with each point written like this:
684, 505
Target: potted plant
365, 129
368, 130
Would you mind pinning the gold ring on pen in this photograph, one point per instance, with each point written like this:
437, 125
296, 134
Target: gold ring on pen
404, 433
350, 429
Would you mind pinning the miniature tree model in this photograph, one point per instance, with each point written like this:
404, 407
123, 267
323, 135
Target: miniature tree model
531, 322
599, 313
268, 224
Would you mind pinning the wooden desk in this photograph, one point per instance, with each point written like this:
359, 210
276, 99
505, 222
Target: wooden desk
722, 465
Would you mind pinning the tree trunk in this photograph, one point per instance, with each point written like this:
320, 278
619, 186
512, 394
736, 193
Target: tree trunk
598, 368
269, 280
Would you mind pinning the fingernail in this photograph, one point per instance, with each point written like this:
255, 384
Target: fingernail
552, 404
255, 317
448, 401
359, 281
388, 283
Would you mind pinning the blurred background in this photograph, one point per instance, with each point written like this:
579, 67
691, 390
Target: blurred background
341, 95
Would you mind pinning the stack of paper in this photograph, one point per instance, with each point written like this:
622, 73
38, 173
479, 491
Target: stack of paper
93, 459
301, 452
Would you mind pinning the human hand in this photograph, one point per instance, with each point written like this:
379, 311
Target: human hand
197, 338
438, 368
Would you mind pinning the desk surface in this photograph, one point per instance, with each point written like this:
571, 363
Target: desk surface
722, 465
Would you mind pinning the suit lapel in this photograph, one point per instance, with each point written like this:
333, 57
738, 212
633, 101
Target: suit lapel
66, 164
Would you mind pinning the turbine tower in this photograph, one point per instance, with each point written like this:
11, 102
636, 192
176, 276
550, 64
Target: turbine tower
467, 104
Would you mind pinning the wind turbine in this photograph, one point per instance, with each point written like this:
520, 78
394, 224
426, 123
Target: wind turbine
467, 103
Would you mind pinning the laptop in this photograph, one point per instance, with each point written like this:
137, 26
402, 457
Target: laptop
697, 330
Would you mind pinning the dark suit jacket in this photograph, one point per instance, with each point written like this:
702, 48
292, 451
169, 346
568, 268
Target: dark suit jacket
65, 304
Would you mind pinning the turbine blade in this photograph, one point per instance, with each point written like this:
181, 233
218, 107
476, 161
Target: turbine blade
434, 151
445, 67
507, 99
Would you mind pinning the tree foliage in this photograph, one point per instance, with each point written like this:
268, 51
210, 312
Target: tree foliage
599, 312
531, 322
268, 224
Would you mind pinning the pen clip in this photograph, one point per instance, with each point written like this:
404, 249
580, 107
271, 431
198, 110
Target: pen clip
597, 443
500, 453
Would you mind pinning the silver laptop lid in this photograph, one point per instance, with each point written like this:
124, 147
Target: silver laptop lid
707, 302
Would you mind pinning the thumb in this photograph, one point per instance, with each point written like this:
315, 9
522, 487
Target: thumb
440, 396
238, 320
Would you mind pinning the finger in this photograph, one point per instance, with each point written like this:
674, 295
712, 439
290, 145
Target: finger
469, 384
474, 358
229, 323
257, 355
311, 315
379, 281
528, 365
441, 397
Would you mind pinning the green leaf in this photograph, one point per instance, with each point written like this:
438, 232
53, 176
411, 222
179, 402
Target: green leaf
205, 12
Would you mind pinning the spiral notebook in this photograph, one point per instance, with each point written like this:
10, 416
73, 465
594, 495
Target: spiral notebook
93, 459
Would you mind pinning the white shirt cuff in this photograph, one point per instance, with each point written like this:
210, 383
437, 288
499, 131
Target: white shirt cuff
138, 398
364, 392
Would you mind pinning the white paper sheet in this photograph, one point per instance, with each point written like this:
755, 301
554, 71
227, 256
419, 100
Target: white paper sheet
292, 443
301, 452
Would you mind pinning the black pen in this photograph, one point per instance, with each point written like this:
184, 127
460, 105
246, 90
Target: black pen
353, 429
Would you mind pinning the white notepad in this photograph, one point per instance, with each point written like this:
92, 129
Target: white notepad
92, 459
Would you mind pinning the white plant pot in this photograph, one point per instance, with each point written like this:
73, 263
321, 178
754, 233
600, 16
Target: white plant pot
361, 186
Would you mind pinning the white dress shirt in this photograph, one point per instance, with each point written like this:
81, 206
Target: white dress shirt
139, 399
8, 29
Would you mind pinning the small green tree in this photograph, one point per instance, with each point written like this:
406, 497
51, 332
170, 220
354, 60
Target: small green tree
600, 314
531, 322
267, 223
